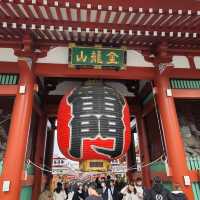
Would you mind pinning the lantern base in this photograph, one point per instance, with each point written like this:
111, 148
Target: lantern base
94, 165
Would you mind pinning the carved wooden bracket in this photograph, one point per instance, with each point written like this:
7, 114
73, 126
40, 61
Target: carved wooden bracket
158, 55
28, 49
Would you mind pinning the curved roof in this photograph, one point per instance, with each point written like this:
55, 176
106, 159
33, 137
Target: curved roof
136, 24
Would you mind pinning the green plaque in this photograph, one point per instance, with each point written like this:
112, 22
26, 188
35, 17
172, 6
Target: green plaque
97, 57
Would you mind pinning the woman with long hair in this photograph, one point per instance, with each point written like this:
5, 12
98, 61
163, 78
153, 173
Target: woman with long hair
139, 188
59, 193
129, 192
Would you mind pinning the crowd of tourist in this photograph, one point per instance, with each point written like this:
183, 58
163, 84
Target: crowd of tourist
109, 189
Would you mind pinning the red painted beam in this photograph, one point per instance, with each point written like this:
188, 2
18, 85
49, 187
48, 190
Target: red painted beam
16, 44
156, 4
131, 73
186, 93
186, 51
62, 70
183, 73
8, 67
8, 90
96, 24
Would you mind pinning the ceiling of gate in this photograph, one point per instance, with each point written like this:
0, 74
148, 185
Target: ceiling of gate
136, 24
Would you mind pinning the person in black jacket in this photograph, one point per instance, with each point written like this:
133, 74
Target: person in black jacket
114, 191
85, 191
104, 192
79, 193
158, 192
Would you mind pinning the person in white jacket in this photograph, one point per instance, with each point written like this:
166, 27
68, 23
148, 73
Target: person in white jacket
59, 193
139, 188
129, 193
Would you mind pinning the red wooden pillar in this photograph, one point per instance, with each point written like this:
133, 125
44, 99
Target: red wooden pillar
173, 140
18, 134
144, 153
39, 156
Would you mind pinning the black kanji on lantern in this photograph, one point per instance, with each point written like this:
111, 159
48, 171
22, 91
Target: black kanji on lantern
97, 112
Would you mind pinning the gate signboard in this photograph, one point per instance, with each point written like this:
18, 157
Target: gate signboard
97, 57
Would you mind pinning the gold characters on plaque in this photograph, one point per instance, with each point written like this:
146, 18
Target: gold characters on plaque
96, 57
81, 57
112, 58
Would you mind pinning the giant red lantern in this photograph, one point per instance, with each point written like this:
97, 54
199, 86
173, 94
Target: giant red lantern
93, 123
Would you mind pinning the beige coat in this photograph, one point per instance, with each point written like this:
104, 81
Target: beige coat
46, 195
